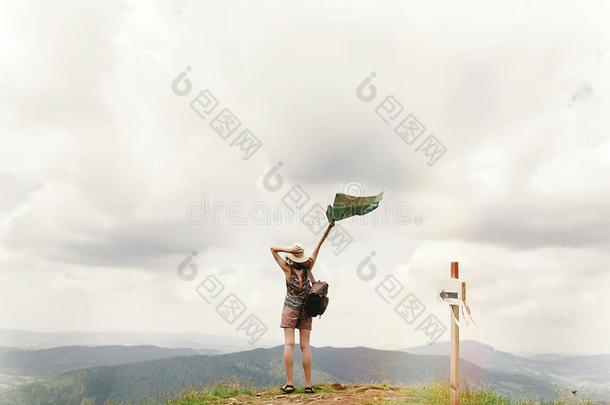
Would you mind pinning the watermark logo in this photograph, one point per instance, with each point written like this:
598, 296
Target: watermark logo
409, 308
273, 180
432, 328
181, 86
366, 91
432, 148
230, 308
354, 188
366, 270
295, 207
409, 128
191, 270
225, 123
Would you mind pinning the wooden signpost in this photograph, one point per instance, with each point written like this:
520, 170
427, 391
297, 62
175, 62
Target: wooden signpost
454, 294
454, 363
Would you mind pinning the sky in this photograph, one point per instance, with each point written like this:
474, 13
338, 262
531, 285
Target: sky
115, 166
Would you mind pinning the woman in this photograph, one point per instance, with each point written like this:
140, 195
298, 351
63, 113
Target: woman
297, 270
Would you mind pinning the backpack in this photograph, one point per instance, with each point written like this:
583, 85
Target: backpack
316, 301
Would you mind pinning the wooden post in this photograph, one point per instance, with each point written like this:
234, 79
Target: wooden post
454, 364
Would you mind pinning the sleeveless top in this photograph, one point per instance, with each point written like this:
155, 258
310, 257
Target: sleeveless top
297, 289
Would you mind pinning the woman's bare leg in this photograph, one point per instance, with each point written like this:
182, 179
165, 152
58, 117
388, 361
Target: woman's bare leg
288, 353
306, 354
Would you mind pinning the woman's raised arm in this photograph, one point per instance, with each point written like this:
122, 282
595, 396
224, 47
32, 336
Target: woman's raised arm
314, 255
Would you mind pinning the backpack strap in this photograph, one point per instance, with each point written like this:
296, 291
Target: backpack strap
311, 275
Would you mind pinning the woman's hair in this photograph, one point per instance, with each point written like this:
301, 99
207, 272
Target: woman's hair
306, 265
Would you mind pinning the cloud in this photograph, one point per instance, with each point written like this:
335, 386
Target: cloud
101, 159
15, 191
66, 53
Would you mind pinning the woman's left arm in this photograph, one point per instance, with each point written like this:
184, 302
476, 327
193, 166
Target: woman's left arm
314, 255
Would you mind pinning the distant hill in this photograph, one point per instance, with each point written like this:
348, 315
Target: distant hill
590, 373
161, 379
29, 340
545, 356
50, 362
480, 354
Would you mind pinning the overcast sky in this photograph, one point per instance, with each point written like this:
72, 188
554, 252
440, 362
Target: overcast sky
102, 164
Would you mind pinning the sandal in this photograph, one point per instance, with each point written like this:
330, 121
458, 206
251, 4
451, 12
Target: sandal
287, 388
309, 390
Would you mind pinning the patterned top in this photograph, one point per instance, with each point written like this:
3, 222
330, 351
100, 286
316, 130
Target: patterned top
296, 289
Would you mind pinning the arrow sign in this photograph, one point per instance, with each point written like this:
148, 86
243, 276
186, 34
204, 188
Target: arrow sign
450, 291
444, 295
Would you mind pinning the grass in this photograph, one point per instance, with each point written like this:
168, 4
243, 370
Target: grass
433, 393
212, 394
438, 393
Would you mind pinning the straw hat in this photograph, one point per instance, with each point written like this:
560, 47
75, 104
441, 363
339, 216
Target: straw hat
298, 258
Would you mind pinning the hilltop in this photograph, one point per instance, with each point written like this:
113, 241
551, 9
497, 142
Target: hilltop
326, 393
369, 394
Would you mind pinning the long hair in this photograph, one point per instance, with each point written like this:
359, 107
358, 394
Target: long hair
306, 265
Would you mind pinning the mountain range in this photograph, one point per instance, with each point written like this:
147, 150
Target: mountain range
77, 374
43, 340
589, 373
164, 378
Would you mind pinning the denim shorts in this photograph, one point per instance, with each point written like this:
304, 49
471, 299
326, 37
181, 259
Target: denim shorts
291, 318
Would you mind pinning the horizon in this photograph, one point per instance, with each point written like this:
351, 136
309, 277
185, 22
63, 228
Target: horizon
390, 347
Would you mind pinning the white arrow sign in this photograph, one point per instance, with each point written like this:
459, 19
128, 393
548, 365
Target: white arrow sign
450, 291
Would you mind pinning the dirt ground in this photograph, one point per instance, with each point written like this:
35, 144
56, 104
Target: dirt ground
327, 394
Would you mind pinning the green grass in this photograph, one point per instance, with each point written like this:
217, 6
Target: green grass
433, 393
438, 393
211, 394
